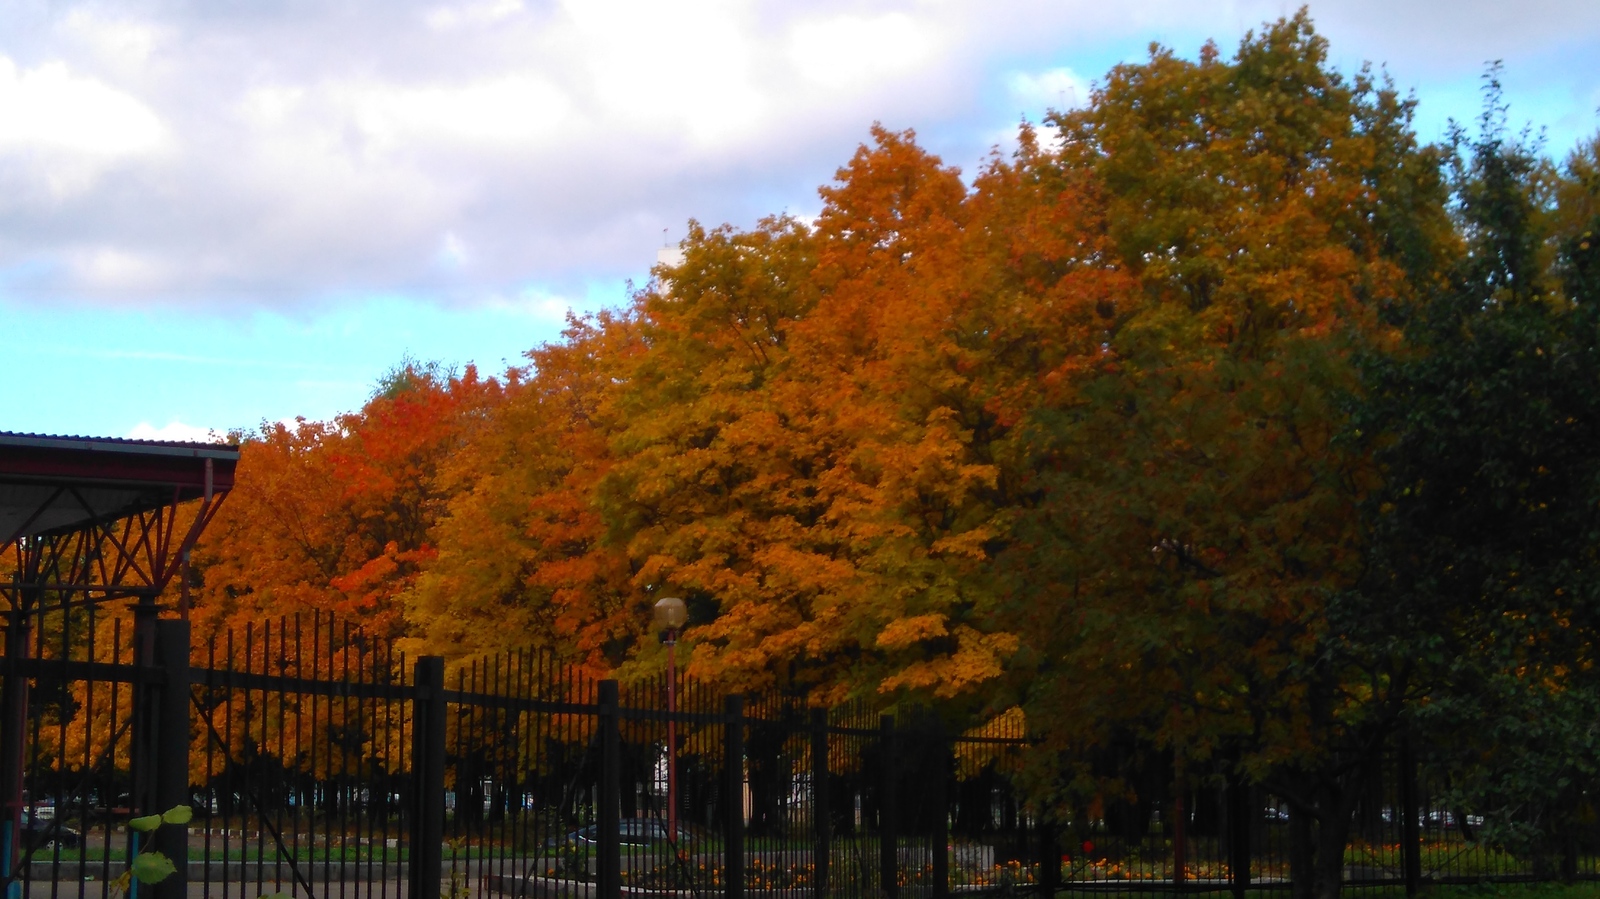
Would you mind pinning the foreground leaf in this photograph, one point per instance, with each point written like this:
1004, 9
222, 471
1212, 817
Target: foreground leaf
178, 814
152, 867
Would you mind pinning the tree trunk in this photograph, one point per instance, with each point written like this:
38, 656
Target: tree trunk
1331, 838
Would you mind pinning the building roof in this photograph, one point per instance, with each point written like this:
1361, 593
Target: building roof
53, 484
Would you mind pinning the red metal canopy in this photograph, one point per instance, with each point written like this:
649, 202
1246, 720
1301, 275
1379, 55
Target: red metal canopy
100, 518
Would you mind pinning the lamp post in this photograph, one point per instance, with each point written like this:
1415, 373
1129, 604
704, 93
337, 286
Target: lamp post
670, 615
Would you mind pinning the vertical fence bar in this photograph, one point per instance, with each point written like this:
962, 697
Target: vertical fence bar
888, 839
171, 764
608, 874
821, 815
426, 866
733, 798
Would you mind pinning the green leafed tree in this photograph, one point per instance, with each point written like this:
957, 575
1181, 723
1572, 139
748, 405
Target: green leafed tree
1481, 596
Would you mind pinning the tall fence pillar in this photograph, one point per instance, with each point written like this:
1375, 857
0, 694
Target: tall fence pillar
1049, 858
733, 798
1240, 817
144, 747
13, 736
169, 769
940, 787
1180, 835
1410, 823
608, 860
821, 815
426, 867
888, 836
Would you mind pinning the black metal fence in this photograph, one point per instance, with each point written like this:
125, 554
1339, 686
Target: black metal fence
321, 762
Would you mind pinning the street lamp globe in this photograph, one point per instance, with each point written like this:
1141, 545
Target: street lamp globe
670, 613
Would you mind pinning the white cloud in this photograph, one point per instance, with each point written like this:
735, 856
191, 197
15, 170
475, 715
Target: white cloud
51, 109
1058, 88
452, 252
851, 51
122, 44
444, 18
175, 430
540, 305
255, 156
62, 130
519, 111
112, 269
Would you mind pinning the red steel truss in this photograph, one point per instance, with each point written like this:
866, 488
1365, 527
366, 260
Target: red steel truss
86, 520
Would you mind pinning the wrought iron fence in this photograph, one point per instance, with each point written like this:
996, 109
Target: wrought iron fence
321, 762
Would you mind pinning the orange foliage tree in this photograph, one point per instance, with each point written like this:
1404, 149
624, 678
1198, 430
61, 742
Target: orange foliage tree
336, 516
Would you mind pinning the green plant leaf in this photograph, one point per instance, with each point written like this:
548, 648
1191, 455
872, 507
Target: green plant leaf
178, 814
152, 867
145, 824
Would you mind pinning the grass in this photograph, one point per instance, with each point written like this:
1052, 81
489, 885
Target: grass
1585, 890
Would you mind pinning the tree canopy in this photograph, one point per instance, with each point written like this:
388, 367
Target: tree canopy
1221, 418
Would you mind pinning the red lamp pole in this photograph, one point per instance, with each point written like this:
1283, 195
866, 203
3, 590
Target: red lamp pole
670, 614
672, 736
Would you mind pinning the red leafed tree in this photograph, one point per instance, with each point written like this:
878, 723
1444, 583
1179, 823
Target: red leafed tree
335, 516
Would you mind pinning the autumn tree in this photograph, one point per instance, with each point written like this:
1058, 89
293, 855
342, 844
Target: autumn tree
817, 442
335, 516
522, 559
1196, 510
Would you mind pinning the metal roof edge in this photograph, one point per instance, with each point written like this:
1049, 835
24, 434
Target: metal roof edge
219, 451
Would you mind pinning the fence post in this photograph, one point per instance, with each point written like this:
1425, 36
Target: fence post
888, 839
1049, 858
1180, 835
1410, 825
941, 809
821, 815
144, 746
13, 738
733, 798
608, 861
1240, 814
170, 768
426, 866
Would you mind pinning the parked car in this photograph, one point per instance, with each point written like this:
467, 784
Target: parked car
37, 832
630, 832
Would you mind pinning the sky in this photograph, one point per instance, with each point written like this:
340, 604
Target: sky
215, 214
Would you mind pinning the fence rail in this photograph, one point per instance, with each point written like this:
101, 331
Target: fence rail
321, 762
